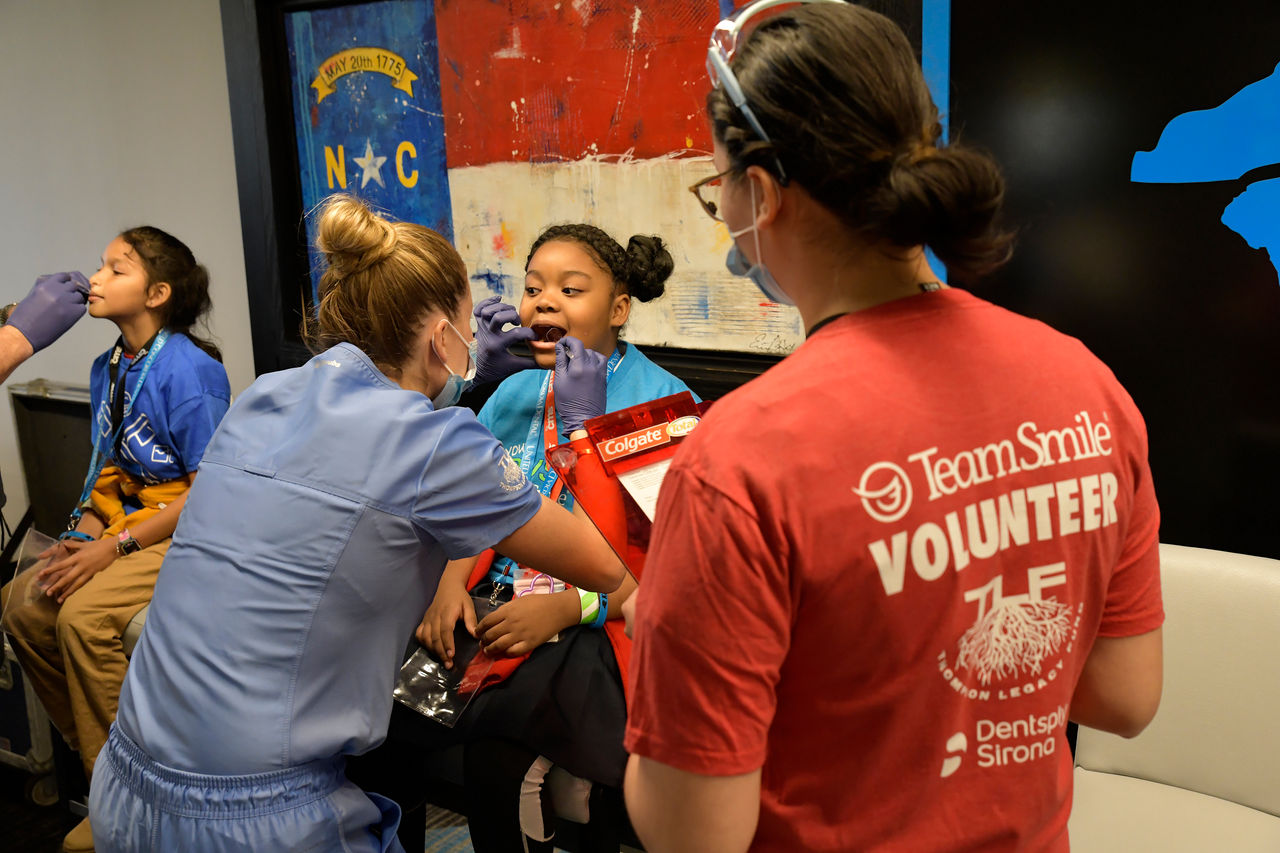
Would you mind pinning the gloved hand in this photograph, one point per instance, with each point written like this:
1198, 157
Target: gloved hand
493, 361
54, 304
581, 374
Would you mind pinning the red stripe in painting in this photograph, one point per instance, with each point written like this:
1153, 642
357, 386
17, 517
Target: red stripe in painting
539, 80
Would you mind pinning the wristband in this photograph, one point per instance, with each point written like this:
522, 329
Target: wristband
126, 544
75, 534
595, 608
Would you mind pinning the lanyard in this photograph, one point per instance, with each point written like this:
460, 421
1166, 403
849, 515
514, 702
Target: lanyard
116, 395
120, 411
544, 418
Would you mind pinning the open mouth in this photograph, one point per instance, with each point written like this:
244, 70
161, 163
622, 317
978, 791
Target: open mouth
547, 334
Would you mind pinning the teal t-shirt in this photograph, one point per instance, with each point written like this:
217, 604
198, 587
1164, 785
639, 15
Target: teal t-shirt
514, 414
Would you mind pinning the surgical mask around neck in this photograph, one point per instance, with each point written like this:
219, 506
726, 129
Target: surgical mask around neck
736, 262
457, 383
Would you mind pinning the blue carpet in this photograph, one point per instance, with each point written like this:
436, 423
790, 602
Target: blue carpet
448, 839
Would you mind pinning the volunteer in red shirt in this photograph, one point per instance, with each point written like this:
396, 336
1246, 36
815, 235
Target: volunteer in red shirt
886, 573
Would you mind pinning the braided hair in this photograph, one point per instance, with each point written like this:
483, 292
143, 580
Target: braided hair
640, 270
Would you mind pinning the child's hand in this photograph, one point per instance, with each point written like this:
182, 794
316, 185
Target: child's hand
450, 604
54, 552
581, 376
62, 577
493, 359
522, 624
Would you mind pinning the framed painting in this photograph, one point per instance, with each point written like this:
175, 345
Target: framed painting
489, 121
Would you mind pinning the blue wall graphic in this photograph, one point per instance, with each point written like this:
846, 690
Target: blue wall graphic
367, 112
1223, 144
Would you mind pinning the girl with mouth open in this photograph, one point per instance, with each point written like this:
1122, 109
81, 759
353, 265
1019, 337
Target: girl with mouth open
564, 704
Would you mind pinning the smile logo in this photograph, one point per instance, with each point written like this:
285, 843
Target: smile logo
885, 491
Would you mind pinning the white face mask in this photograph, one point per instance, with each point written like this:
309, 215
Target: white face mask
457, 383
736, 262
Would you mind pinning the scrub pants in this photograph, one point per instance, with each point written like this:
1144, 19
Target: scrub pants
137, 804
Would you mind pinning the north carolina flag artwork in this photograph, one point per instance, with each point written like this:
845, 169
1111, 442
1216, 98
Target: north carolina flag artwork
489, 121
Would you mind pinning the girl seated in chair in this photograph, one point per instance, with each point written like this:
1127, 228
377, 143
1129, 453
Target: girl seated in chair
156, 397
564, 705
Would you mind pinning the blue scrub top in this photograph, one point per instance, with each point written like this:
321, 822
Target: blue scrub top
312, 542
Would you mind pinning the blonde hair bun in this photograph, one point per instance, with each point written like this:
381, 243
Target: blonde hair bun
352, 237
381, 279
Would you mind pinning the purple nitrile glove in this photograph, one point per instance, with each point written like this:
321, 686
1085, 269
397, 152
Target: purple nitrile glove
581, 375
54, 304
493, 360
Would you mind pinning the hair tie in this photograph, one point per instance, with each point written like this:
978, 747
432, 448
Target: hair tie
921, 153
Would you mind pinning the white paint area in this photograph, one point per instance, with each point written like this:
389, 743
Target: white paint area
500, 208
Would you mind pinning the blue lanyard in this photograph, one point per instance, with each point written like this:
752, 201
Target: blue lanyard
102, 453
531, 441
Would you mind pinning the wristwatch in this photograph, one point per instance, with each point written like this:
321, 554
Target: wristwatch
126, 544
6, 311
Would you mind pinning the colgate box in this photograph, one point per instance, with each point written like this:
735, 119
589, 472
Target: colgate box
615, 472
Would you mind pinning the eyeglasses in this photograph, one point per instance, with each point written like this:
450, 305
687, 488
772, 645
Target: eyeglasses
712, 208
724, 43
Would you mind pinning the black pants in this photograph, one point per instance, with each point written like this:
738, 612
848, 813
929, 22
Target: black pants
565, 702
493, 770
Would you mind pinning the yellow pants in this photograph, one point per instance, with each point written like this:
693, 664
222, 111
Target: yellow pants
72, 655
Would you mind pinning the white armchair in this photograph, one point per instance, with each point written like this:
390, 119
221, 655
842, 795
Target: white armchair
1205, 775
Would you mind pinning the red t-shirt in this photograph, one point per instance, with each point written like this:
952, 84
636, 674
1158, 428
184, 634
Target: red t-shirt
876, 572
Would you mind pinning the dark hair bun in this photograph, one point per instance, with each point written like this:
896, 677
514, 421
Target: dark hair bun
650, 266
642, 268
839, 92
948, 199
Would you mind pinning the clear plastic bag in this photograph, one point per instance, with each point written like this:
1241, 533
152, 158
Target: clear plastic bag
435, 692
25, 592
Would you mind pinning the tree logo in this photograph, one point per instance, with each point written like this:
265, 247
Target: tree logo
1014, 634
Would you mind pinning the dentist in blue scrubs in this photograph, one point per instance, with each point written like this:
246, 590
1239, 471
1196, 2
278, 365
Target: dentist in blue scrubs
327, 504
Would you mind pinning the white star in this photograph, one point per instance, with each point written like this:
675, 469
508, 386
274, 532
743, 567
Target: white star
372, 166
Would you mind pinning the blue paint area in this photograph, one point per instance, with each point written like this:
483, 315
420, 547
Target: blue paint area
935, 56
701, 303
726, 8
366, 112
1219, 144
1222, 144
938, 267
1255, 216
500, 284
935, 62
